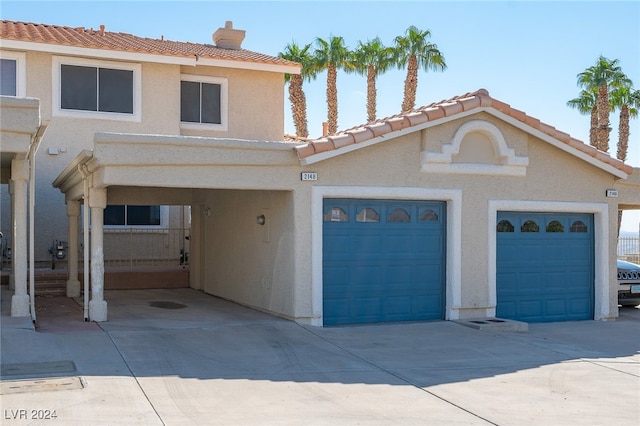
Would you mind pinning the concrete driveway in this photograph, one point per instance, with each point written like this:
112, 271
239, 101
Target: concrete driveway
180, 357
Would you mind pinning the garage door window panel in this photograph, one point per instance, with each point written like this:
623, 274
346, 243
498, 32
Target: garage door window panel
554, 227
398, 215
578, 226
368, 215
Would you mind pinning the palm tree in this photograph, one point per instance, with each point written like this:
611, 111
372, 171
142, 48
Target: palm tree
624, 97
301, 54
586, 103
602, 76
627, 99
414, 51
370, 59
331, 55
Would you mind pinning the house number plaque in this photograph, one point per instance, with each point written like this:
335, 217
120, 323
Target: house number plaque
309, 176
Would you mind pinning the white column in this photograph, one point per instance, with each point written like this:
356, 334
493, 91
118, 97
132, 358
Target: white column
12, 272
73, 284
19, 176
97, 305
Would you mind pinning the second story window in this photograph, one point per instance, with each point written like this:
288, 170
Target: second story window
12, 74
203, 102
8, 81
97, 89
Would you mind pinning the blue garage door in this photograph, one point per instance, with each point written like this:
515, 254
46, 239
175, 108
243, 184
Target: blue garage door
383, 261
544, 266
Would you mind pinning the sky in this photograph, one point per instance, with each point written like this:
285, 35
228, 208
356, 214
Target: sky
525, 53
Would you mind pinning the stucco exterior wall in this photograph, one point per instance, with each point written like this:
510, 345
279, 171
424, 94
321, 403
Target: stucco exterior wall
256, 111
244, 261
553, 176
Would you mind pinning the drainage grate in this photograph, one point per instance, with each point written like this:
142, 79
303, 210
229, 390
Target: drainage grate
40, 385
167, 305
23, 369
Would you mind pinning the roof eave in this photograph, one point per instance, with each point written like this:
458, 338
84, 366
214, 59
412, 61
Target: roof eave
146, 57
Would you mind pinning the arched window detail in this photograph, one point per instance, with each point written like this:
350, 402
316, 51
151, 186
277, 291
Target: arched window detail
336, 214
428, 216
368, 215
530, 226
555, 226
398, 215
504, 226
578, 226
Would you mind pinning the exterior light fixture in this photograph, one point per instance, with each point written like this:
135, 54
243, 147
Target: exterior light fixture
260, 220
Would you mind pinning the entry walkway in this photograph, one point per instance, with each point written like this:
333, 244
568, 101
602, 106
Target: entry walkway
182, 357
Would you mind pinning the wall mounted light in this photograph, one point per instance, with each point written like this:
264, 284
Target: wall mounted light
260, 220
207, 212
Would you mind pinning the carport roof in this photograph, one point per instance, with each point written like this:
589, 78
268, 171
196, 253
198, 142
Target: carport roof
445, 110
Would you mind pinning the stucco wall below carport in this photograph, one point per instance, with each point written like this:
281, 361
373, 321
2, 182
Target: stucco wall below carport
244, 261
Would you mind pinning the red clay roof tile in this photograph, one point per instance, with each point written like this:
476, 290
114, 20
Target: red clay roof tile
448, 108
105, 40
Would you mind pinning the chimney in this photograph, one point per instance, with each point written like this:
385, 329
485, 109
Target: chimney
325, 127
227, 37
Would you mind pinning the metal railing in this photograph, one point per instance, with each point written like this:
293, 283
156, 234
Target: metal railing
629, 249
139, 247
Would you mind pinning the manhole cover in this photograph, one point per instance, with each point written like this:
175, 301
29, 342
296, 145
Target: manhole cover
40, 385
167, 305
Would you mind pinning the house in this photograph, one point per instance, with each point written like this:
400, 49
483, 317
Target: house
465, 208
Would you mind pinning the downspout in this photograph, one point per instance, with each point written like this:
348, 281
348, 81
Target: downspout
33, 149
82, 168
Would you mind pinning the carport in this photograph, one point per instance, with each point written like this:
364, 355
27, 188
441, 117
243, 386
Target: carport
242, 211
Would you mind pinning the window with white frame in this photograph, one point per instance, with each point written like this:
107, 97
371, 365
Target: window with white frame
203, 102
98, 89
12, 74
133, 216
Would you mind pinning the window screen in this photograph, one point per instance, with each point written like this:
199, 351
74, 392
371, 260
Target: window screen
200, 102
116, 90
96, 89
8, 77
79, 88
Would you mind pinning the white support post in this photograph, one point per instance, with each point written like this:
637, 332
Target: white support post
19, 176
73, 284
97, 305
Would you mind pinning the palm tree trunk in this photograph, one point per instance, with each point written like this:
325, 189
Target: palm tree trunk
603, 118
371, 94
623, 133
410, 85
332, 100
593, 131
298, 105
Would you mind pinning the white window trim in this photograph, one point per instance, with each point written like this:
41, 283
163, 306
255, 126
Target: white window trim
21, 70
453, 198
600, 213
57, 61
224, 103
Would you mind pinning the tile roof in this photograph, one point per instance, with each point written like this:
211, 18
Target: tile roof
447, 108
106, 40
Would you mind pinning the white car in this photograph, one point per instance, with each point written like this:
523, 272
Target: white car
629, 283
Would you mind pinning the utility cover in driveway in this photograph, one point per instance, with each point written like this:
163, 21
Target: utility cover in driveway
544, 266
383, 261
